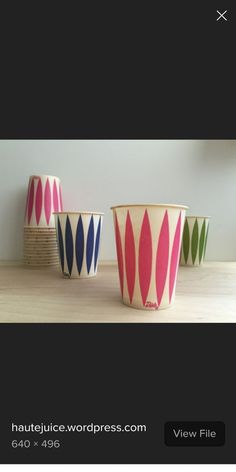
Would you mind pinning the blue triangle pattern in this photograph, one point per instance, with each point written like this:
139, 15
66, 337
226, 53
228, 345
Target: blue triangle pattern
97, 244
69, 246
90, 245
61, 247
79, 244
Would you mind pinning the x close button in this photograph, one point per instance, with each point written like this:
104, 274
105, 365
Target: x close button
221, 15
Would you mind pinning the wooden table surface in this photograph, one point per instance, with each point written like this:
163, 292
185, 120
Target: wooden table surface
205, 294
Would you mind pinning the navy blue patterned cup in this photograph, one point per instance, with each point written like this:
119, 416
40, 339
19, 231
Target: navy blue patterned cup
78, 236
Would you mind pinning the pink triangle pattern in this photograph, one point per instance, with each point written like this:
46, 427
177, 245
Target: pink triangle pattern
55, 197
145, 257
174, 257
31, 201
130, 265
47, 201
60, 197
38, 201
119, 254
162, 258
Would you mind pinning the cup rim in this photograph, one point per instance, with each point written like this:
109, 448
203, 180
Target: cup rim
77, 213
44, 175
192, 216
158, 205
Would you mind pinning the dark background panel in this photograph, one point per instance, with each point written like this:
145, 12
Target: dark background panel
117, 374
123, 70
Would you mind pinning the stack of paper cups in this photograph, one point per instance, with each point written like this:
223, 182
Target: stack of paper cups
40, 242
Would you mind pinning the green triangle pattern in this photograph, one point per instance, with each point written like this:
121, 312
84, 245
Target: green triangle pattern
186, 241
194, 242
202, 241
206, 240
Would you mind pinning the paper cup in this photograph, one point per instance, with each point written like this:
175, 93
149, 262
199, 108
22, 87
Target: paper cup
44, 197
194, 242
78, 235
148, 241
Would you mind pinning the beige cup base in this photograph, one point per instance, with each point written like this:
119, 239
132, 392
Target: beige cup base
191, 265
143, 308
77, 277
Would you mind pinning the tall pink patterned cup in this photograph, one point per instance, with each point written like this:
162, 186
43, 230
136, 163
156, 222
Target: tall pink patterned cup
148, 242
44, 197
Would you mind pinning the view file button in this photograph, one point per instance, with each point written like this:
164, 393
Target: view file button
196, 433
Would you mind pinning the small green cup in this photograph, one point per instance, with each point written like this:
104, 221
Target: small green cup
194, 240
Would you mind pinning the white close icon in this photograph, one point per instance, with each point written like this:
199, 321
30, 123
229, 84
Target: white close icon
221, 15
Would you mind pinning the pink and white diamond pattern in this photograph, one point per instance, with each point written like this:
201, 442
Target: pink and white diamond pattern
43, 198
148, 241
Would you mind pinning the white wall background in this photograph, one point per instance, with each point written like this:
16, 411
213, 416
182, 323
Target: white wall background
98, 174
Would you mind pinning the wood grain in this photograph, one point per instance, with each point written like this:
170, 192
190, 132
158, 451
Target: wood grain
203, 294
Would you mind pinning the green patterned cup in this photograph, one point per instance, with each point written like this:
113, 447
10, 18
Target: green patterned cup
194, 240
